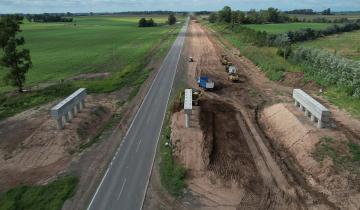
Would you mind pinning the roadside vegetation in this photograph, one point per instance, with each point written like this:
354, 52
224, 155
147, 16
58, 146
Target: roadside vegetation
172, 174
274, 28
344, 154
50, 197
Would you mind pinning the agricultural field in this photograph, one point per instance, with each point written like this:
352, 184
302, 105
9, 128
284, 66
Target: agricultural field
90, 44
285, 27
350, 16
346, 44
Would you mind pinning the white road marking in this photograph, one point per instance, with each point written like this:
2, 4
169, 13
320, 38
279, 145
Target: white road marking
138, 146
122, 188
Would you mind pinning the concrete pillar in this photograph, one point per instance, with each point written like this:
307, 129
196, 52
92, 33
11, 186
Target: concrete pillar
75, 110
78, 107
67, 118
307, 113
70, 115
296, 103
312, 117
60, 123
301, 107
83, 103
187, 120
320, 124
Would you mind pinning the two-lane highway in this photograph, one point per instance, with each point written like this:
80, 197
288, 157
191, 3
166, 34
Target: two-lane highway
124, 184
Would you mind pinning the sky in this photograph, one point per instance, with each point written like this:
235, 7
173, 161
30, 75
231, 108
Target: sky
41, 6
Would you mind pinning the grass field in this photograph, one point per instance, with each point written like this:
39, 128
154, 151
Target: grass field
345, 44
285, 27
350, 16
95, 44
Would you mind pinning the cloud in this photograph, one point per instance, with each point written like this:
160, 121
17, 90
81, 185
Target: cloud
40, 6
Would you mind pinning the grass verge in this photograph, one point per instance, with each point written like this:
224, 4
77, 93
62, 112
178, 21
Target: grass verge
172, 175
48, 197
344, 154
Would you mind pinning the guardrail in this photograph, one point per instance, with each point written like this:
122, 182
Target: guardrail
65, 110
313, 109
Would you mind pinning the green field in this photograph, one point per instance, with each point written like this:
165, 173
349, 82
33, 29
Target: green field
285, 27
95, 44
345, 44
350, 16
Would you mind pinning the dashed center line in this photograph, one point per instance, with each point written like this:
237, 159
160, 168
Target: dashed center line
138, 146
122, 188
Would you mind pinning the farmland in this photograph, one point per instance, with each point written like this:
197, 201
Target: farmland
285, 27
94, 44
346, 44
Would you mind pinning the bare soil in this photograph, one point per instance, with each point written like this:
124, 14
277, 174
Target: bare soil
32, 149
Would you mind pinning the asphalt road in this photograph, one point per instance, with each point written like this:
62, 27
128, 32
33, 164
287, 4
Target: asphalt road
124, 184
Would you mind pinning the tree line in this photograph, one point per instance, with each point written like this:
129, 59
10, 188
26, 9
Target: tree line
46, 18
271, 15
15, 59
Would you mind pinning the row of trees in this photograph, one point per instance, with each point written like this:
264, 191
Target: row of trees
15, 59
330, 68
310, 34
48, 18
270, 15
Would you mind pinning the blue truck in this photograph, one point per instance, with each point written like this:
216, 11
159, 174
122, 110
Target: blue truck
205, 83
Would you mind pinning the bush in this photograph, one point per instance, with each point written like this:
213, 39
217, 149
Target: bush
49, 197
146, 23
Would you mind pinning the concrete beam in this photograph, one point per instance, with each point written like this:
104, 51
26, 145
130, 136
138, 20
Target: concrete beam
311, 107
69, 107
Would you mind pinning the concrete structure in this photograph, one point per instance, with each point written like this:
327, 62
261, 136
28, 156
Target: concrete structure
311, 108
188, 106
67, 109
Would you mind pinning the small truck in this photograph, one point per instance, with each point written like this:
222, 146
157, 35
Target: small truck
205, 83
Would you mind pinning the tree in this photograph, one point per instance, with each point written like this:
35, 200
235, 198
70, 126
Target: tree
326, 12
171, 19
284, 45
18, 62
273, 15
9, 27
225, 14
213, 17
142, 22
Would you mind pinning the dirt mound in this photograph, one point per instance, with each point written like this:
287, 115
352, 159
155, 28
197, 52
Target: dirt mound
280, 120
32, 149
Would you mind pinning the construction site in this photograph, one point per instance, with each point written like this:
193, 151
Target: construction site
246, 145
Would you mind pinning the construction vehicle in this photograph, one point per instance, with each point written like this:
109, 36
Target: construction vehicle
233, 77
195, 97
205, 83
231, 69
